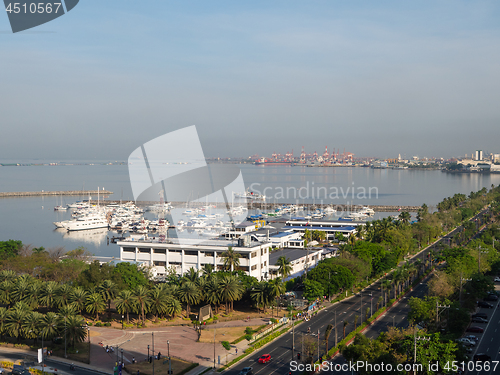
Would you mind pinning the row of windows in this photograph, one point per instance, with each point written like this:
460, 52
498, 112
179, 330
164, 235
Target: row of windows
186, 252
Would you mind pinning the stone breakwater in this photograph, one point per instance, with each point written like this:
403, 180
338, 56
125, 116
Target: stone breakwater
42, 193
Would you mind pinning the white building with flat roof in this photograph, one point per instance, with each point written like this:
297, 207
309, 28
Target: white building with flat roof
185, 254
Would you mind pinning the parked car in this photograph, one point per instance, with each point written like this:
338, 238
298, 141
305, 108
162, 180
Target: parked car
472, 338
497, 279
475, 329
484, 304
479, 319
246, 371
480, 315
495, 292
481, 357
265, 358
491, 297
466, 342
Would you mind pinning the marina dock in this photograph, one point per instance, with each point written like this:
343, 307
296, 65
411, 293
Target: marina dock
252, 205
42, 193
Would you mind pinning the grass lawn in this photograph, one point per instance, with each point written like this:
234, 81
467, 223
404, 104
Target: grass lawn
161, 367
223, 334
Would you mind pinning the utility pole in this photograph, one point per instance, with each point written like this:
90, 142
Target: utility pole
318, 344
214, 346
460, 295
153, 339
293, 338
479, 258
415, 338
437, 311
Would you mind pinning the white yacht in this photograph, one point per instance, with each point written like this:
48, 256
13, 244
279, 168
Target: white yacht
249, 195
91, 221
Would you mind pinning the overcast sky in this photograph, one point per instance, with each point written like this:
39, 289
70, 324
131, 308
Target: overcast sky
378, 78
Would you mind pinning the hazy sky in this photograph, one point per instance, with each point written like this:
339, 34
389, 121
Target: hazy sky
377, 78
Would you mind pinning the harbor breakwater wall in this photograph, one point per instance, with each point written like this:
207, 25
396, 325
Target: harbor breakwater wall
42, 193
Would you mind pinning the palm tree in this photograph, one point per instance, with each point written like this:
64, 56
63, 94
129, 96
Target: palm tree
230, 290
21, 288
141, 297
207, 270
191, 275
284, 267
405, 217
356, 317
63, 295
3, 319
173, 307
95, 304
66, 311
7, 275
75, 330
189, 294
351, 241
77, 298
6, 289
49, 325
125, 303
387, 286
230, 259
15, 320
48, 294
328, 330
360, 231
108, 290
159, 300
345, 325
211, 293
31, 325
259, 295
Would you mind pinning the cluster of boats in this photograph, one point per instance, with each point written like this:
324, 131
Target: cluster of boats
119, 217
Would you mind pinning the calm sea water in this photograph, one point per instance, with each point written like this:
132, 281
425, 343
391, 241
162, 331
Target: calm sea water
30, 219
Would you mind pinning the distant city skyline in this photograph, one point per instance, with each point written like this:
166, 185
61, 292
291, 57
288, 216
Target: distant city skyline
376, 78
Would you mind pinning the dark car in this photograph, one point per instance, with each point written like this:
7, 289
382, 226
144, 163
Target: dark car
479, 315
475, 329
484, 304
491, 297
481, 357
246, 371
479, 319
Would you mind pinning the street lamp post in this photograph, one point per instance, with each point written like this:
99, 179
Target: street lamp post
122, 321
153, 339
361, 308
88, 333
65, 355
121, 351
169, 362
371, 304
148, 353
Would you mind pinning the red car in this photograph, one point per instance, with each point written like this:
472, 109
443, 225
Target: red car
475, 329
265, 358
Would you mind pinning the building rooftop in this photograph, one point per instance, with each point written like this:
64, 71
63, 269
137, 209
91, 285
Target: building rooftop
291, 254
323, 228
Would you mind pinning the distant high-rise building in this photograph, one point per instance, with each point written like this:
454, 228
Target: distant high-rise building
479, 155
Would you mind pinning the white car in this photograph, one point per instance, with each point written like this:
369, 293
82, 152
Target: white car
466, 342
497, 279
